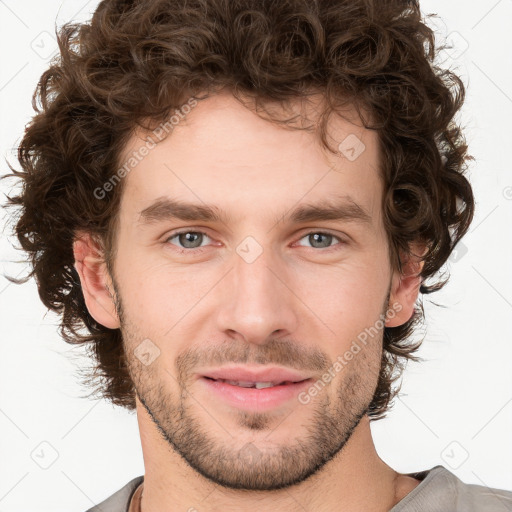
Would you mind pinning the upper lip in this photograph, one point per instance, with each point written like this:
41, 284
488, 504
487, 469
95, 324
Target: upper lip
246, 374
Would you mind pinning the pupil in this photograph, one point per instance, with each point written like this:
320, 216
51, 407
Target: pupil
315, 237
185, 239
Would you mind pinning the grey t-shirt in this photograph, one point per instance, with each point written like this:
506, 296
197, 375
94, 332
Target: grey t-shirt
439, 491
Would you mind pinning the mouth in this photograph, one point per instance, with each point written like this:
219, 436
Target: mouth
256, 385
254, 395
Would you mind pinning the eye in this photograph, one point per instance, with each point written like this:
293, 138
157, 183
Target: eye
191, 241
188, 240
320, 239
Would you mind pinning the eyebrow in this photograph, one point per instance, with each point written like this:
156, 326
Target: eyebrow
345, 208
167, 209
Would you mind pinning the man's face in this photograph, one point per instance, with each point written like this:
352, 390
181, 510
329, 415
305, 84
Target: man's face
255, 290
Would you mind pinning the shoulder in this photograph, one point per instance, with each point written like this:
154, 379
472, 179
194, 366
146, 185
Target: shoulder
120, 500
475, 498
440, 490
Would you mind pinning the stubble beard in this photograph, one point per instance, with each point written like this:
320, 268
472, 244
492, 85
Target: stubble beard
255, 466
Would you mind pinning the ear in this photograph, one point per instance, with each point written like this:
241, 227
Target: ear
405, 286
95, 280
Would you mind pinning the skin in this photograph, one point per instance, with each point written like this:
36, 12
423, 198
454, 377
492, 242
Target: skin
298, 305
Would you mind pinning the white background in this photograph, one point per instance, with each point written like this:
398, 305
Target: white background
455, 408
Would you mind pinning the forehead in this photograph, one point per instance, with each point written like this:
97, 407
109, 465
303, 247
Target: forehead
221, 153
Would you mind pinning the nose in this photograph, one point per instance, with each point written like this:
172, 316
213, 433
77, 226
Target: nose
257, 300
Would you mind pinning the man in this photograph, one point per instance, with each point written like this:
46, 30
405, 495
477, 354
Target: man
241, 201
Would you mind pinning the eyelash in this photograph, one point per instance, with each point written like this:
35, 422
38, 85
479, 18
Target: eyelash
199, 250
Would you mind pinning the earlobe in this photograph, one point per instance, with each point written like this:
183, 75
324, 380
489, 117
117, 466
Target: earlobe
95, 280
405, 288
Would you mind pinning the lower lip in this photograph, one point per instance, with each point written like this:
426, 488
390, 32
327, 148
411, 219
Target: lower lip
255, 399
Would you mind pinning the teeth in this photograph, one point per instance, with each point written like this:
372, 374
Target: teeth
244, 384
260, 385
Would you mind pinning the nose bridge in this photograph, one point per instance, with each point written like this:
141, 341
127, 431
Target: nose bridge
257, 302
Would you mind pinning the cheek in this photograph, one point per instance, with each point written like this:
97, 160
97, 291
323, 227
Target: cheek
348, 297
157, 295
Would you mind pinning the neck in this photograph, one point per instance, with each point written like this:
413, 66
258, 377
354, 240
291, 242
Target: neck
355, 479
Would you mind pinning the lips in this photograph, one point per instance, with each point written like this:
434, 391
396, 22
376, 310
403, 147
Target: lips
254, 388
256, 394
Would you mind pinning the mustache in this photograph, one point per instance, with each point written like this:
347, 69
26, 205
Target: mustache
279, 352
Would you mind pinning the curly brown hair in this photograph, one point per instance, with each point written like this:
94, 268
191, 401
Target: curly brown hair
138, 60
